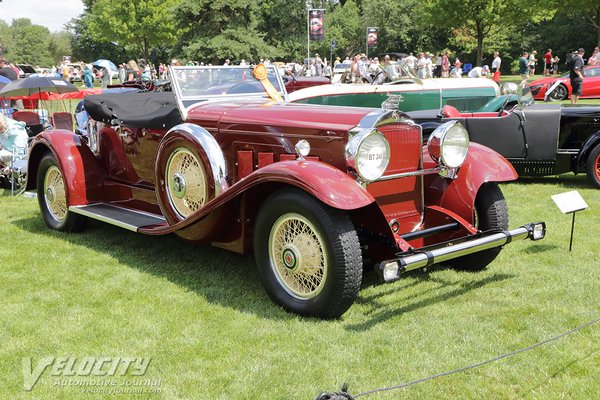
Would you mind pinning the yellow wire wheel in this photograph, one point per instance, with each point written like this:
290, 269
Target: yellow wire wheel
298, 256
186, 182
55, 193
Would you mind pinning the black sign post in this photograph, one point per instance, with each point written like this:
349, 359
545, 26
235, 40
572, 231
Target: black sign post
570, 202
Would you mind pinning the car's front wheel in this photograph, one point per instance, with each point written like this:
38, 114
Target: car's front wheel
52, 198
491, 213
560, 93
593, 166
308, 255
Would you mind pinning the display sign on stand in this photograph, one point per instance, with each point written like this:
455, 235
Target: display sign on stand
570, 202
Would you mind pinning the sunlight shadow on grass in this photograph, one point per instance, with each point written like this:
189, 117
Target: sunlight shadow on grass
387, 312
540, 248
218, 276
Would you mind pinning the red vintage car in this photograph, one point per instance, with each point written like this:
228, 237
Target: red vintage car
318, 193
561, 86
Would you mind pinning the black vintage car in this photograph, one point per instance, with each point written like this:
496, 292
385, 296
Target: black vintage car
537, 139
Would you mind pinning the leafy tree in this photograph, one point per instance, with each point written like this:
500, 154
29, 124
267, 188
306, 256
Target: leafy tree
229, 30
478, 20
345, 25
140, 25
59, 45
284, 26
29, 43
588, 11
86, 46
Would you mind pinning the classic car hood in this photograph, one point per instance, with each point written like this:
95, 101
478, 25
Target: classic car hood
427, 84
281, 114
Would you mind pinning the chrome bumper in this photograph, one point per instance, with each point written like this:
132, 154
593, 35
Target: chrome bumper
390, 270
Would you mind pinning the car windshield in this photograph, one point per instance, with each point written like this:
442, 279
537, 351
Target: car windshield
202, 82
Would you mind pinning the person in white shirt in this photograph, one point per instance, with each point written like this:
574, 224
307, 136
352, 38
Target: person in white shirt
421, 66
410, 61
479, 72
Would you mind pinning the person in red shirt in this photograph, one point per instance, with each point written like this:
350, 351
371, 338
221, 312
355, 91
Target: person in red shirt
547, 62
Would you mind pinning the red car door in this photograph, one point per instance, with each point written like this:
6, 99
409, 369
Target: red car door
591, 83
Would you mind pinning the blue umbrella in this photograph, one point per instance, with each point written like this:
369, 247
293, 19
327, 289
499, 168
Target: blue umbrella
109, 65
3, 81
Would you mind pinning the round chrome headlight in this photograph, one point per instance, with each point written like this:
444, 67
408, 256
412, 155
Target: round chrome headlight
508, 88
449, 144
369, 154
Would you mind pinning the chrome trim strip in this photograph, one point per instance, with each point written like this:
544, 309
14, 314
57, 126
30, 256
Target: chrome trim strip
215, 156
422, 172
571, 152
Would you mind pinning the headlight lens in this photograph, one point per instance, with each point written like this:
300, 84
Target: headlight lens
449, 144
369, 154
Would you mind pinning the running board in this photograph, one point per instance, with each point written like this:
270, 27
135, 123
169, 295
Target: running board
122, 217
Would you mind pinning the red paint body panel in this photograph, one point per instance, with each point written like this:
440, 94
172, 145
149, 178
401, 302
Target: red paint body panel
459, 194
82, 173
590, 89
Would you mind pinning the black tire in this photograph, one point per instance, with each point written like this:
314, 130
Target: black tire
559, 94
55, 213
491, 213
593, 166
330, 237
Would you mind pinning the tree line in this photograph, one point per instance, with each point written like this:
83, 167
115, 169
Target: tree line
215, 30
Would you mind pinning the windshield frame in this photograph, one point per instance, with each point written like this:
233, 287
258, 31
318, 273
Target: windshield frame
185, 101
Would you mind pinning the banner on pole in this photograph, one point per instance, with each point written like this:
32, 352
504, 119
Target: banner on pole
316, 24
372, 37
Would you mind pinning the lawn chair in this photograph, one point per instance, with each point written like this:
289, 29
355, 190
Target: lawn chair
62, 120
29, 117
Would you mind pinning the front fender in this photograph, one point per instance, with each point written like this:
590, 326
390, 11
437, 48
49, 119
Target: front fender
585, 150
81, 171
481, 166
323, 181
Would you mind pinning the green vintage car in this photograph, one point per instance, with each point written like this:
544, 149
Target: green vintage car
409, 92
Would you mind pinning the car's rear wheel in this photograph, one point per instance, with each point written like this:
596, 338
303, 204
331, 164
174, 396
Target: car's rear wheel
308, 255
52, 198
560, 93
491, 213
593, 166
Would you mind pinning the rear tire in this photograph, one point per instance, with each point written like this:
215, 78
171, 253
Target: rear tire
52, 198
307, 254
491, 212
593, 166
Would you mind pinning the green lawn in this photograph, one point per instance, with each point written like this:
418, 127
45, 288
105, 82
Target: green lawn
202, 316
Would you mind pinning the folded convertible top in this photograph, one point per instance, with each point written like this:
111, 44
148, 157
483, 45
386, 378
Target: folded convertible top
154, 110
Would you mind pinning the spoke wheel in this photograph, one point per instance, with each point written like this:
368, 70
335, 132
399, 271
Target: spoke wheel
307, 254
53, 199
55, 194
298, 256
186, 182
593, 166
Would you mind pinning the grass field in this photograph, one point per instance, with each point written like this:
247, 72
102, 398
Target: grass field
211, 332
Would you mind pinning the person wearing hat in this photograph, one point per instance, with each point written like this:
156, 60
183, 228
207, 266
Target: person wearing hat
576, 75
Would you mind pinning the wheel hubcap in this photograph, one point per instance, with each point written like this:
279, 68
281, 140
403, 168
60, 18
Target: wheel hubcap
597, 168
298, 256
186, 182
55, 193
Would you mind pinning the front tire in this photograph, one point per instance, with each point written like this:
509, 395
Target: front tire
52, 198
491, 213
593, 166
308, 255
559, 94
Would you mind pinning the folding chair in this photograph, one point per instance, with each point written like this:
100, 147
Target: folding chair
62, 120
29, 117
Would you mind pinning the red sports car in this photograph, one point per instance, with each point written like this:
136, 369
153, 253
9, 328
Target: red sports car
561, 86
